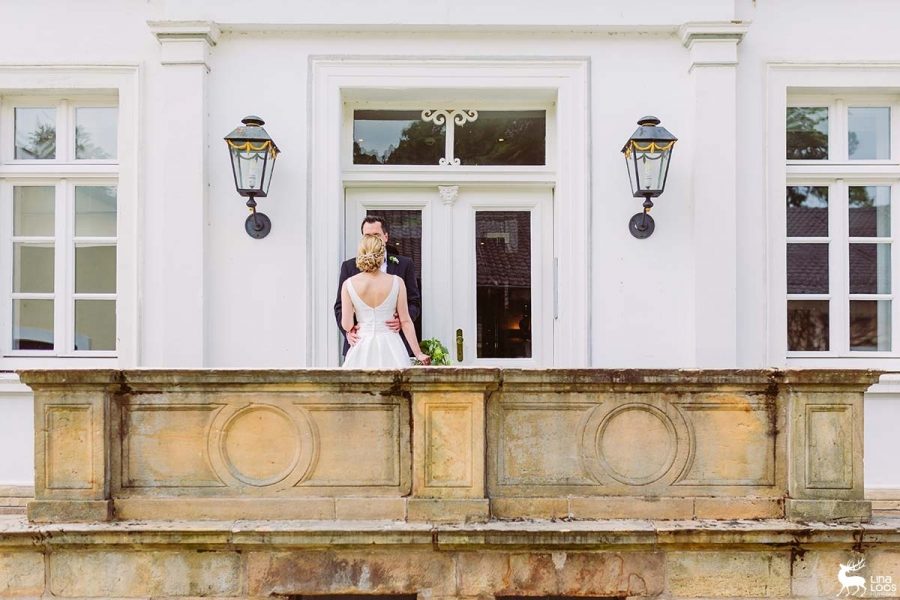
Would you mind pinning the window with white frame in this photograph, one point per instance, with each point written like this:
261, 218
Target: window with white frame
842, 185
59, 174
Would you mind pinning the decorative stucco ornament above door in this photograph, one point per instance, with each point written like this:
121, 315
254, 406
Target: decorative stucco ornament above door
452, 118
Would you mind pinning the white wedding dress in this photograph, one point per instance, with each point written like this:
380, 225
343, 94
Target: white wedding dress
378, 347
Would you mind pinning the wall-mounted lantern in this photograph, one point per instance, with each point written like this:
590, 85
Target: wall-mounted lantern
647, 153
253, 155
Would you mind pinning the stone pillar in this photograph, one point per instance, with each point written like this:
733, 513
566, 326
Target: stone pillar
713, 48
449, 446
71, 445
825, 446
182, 199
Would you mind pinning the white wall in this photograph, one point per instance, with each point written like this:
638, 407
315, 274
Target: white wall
16, 432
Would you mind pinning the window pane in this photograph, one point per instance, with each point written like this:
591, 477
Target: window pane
870, 325
807, 268
95, 324
396, 137
32, 325
35, 133
870, 268
33, 268
807, 133
808, 325
503, 276
869, 135
502, 138
870, 211
405, 239
95, 132
33, 210
807, 211
95, 269
95, 211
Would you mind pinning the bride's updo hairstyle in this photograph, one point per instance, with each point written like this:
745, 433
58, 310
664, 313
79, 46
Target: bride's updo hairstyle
370, 253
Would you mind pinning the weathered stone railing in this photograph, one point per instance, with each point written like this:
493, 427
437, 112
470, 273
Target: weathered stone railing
447, 444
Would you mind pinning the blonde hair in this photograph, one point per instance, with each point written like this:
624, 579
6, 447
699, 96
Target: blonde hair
370, 254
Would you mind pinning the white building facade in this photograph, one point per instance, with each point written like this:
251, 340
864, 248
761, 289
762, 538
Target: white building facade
122, 238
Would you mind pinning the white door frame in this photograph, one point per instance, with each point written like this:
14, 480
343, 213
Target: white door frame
448, 243
334, 80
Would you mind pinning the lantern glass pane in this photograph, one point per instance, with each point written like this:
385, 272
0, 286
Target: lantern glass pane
249, 170
269, 167
632, 174
651, 170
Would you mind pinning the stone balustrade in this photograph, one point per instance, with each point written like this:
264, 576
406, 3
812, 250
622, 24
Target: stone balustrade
448, 444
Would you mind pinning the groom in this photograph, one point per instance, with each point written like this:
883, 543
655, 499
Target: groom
394, 264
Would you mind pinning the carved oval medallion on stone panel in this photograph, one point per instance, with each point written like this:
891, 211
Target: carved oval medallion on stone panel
262, 445
635, 443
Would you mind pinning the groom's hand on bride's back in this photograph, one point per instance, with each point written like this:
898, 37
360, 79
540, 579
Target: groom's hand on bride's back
393, 324
353, 335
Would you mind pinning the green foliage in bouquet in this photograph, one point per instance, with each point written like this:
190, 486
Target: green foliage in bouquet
438, 352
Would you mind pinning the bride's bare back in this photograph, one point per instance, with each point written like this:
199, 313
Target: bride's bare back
373, 288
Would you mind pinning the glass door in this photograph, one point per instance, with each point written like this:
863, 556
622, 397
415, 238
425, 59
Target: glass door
503, 278
484, 259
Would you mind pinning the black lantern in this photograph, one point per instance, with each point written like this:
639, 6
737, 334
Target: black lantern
647, 153
253, 155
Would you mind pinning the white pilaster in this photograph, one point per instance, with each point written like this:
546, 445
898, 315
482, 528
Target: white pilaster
179, 250
713, 48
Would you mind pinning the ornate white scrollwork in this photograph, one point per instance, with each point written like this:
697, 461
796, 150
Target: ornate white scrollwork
452, 118
440, 116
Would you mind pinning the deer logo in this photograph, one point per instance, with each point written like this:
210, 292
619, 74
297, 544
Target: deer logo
855, 581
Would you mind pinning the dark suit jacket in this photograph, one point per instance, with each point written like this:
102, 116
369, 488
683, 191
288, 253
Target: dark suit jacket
403, 268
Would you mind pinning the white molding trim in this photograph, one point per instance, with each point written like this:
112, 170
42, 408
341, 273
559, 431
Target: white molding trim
567, 78
713, 44
185, 42
124, 81
798, 78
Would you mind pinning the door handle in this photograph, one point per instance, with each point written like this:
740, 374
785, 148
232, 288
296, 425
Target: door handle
459, 345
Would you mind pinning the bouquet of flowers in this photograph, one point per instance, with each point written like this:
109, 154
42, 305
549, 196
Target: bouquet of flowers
438, 352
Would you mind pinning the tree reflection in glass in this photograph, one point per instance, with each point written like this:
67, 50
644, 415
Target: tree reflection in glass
35, 133
396, 137
807, 133
503, 138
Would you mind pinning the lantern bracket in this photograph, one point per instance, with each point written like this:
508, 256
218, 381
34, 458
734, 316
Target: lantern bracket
257, 225
642, 225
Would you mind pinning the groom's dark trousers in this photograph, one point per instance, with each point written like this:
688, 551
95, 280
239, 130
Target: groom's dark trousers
403, 267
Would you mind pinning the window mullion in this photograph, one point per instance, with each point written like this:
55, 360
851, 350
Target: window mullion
895, 258
64, 149
837, 140
6, 261
839, 271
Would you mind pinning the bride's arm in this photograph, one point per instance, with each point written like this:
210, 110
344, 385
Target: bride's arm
406, 324
346, 308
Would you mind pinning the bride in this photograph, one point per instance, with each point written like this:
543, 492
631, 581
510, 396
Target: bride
374, 296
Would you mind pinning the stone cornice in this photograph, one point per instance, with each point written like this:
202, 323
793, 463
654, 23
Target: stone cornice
456, 378
537, 534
